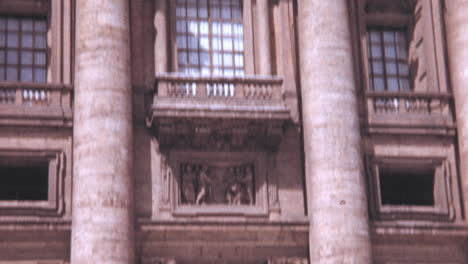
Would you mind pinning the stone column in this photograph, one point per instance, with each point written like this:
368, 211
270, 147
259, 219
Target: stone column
336, 194
102, 223
263, 37
160, 44
457, 40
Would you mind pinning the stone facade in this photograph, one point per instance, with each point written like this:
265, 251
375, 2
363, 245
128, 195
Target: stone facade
236, 131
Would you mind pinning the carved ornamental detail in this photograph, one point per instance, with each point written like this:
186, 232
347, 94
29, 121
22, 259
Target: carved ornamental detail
205, 184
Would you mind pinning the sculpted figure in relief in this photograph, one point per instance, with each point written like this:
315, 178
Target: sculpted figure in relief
204, 182
189, 178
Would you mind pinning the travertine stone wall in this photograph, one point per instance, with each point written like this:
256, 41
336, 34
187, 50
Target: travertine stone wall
457, 40
263, 37
336, 196
102, 223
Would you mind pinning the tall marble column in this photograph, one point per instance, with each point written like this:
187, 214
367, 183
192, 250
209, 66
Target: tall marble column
263, 37
102, 206
336, 194
457, 40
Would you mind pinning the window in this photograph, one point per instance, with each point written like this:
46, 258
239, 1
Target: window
406, 186
210, 37
23, 49
31, 182
410, 188
388, 60
25, 181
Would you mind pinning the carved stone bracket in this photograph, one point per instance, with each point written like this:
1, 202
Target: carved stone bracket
219, 134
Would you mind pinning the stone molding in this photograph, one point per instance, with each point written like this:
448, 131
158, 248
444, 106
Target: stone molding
55, 204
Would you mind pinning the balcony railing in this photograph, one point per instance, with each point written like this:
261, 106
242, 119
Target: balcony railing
217, 112
257, 88
412, 110
247, 97
35, 104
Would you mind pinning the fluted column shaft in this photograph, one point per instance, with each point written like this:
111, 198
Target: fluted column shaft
457, 40
263, 35
102, 224
336, 195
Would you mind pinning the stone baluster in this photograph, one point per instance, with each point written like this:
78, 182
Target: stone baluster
336, 194
102, 206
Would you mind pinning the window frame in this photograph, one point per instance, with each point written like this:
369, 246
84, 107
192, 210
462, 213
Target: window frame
248, 39
384, 59
59, 33
443, 208
54, 205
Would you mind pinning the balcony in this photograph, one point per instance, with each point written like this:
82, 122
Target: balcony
201, 112
34, 104
410, 113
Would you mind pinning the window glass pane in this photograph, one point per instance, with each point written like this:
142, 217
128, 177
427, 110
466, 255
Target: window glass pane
226, 13
2, 73
376, 51
205, 43
181, 42
205, 58
392, 84
204, 29
2, 40
182, 57
193, 27
27, 41
27, 25
11, 74
402, 52
216, 44
214, 12
12, 40
180, 11
2, 23
227, 59
379, 84
391, 68
216, 28
227, 44
40, 25
193, 58
181, 26
40, 58
39, 75
377, 67
389, 37
238, 44
12, 24
390, 52
216, 59
2, 57
227, 29
192, 12
12, 57
27, 58
375, 37
193, 43
40, 42
27, 74
239, 60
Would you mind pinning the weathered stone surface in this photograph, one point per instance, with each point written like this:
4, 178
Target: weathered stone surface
336, 195
457, 40
102, 224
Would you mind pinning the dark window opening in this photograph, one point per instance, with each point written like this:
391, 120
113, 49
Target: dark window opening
407, 186
24, 183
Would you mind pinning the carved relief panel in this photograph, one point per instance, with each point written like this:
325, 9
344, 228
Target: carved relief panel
217, 183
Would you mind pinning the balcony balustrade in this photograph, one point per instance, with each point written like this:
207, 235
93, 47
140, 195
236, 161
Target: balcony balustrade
199, 102
33, 104
410, 112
